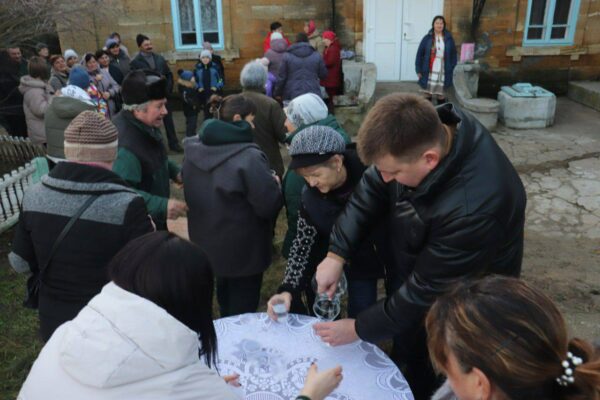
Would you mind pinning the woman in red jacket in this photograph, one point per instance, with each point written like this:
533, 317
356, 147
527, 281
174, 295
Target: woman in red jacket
333, 62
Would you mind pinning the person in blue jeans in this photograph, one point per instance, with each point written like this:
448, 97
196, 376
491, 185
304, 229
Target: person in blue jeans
331, 169
208, 81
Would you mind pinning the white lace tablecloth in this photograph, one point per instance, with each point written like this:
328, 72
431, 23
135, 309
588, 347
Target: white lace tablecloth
272, 359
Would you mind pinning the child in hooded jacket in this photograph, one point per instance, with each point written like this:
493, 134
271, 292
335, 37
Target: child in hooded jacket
208, 81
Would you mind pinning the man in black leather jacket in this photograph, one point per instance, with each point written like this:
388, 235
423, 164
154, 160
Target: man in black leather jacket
457, 207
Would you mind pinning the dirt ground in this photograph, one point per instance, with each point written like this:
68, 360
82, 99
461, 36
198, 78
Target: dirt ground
568, 270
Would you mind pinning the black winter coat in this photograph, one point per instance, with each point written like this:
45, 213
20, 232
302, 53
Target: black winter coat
317, 215
77, 271
139, 62
301, 69
464, 220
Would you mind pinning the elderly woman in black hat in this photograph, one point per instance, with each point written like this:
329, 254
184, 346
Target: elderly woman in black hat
331, 170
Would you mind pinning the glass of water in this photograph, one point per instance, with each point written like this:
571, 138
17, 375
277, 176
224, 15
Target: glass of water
326, 309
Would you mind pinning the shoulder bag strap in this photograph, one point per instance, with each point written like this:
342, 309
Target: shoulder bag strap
64, 232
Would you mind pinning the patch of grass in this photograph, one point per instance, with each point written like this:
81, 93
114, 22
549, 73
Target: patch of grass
19, 343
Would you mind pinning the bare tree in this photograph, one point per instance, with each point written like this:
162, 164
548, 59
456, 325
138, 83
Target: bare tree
21, 21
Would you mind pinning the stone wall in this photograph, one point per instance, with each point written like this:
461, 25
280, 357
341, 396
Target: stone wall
245, 24
505, 61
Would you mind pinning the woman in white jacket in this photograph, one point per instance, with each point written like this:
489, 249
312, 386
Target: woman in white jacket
141, 337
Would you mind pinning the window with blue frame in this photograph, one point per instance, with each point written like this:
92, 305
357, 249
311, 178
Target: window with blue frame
197, 21
550, 22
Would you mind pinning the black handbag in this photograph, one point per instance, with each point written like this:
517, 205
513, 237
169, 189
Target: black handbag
34, 282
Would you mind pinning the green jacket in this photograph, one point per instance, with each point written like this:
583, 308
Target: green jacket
142, 161
294, 183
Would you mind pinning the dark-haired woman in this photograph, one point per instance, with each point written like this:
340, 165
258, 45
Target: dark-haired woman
436, 59
233, 201
107, 87
37, 94
501, 339
139, 338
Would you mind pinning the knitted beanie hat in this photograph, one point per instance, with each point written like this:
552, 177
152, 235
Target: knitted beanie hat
79, 77
315, 145
206, 53
70, 53
275, 36
329, 35
90, 137
111, 42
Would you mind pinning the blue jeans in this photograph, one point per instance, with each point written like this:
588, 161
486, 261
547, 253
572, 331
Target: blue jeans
362, 293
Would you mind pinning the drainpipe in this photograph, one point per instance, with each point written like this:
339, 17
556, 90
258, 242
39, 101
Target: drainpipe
333, 15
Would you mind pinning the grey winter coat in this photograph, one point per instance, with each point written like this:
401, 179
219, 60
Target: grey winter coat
106, 84
233, 201
301, 69
36, 98
275, 55
58, 80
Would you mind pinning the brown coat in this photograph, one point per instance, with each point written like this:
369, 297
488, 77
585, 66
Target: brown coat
269, 131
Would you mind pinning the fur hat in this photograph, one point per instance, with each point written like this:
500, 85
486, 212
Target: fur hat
79, 77
90, 137
139, 39
140, 86
70, 53
205, 53
315, 145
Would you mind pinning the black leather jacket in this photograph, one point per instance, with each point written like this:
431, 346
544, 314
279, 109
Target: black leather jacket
464, 220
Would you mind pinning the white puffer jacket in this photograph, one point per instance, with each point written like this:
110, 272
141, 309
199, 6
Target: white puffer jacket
122, 346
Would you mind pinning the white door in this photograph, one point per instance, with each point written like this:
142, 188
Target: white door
394, 29
384, 33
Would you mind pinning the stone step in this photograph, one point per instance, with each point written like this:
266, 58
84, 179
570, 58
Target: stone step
586, 93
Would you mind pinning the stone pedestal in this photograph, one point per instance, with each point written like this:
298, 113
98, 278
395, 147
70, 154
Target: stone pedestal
526, 112
466, 82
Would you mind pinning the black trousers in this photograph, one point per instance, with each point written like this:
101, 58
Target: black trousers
411, 355
15, 125
238, 295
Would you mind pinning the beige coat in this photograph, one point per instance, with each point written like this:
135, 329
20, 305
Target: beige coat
36, 98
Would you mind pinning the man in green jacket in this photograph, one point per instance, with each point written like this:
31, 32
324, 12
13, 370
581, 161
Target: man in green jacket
142, 157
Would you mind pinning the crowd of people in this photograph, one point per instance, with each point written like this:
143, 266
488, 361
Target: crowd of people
425, 200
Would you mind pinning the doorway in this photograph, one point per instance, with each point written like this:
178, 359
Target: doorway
393, 31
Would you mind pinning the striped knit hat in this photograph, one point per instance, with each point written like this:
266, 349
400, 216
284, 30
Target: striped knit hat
90, 137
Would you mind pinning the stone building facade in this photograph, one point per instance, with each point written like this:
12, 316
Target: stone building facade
243, 25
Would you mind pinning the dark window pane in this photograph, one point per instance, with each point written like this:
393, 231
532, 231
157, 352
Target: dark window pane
212, 37
558, 33
538, 12
535, 33
188, 38
561, 12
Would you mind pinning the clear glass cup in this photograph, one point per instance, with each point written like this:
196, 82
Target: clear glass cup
326, 309
280, 310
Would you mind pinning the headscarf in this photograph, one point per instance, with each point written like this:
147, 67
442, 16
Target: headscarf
306, 109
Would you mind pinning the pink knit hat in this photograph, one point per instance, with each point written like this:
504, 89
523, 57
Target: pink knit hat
329, 35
